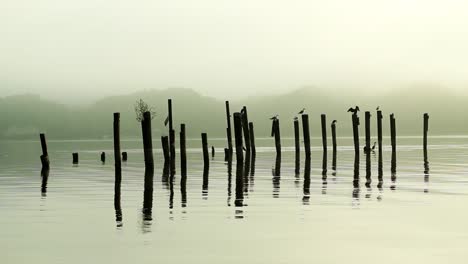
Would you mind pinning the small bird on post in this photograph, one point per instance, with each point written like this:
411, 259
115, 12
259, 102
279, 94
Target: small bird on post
354, 110
333, 122
301, 112
366, 150
295, 118
378, 108
275, 117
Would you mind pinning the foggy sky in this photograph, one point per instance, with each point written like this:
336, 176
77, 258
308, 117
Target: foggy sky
80, 50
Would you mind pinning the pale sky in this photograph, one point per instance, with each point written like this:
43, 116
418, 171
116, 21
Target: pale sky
84, 49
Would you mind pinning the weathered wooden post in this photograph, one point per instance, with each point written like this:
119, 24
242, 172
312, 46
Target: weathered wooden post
147, 139
368, 148
379, 141
183, 152
228, 129
238, 138
103, 157
206, 159
45, 176
212, 152
226, 154
252, 139
148, 193
165, 147
323, 119
75, 158
45, 154
245, 128
171, 136
306, 133
297, 146
393, 141
124, 156
356, 150
118, 167
333, 131
277, 135
425, 130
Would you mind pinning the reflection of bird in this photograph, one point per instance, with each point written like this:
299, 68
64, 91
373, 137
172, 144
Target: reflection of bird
243, 148
366, 150
295, 118
354, 110
166, 121
333, 122
301, 112
378, 108
275, 117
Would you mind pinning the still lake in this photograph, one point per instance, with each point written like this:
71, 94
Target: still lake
420, 217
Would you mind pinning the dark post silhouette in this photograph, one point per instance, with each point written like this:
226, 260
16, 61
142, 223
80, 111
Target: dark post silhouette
323, 119
252, 139
118, 167
333, 131
368, 147
124, 156
379, 141
297, 146
245, 128
393, 141
45, 153
75, 158
228, 129
226, 154
117, 159
238, 137
425, 130
103, 157
206, 159
147, 139
165, 147
306, 133
277, 135
356, 150
183, 151
212, 152
171, 136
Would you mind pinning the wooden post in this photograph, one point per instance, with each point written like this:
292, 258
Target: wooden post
147, 139
356, 150
228, 129
368, 147
297, 146
117, 160
212, 152
148, 193
306, 133
252, 139
165, 147
379, 141
183, 151
75, 158
393, 141
103, 157
277, 135
206, 159
226, 154
118, 167
245, 128
425, 130
171, 137
333, 131
323, 119
45, 154
238, 138
124, 156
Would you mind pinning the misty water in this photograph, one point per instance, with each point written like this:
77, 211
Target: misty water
420, 216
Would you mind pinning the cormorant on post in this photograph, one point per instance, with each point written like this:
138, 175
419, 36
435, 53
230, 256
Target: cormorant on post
333, 122
378, 108
295, 118
366, 150
166, 121
354, 110
301, 112
275, 117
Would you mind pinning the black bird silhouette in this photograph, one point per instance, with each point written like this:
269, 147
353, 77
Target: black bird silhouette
366, 150
301, 112
354, 110
378, 108
166, 121
243, 148
274, 117
334, 121
295, 118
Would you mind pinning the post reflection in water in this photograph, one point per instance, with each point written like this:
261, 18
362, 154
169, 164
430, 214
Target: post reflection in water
426, 172
276, 171
171, 190
206, 170
393, 171
44, 179
229, 187
324, 173
246, 173
148, 199
183, 188
252, 173
165, 175
117, 205
306, 187
334, 165
356, 187
239, 202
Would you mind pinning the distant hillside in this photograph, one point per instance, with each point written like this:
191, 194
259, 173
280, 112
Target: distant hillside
27, 115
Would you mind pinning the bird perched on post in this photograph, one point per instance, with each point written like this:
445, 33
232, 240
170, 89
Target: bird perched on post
275, 117
333, 122
301, 112
295, 118
354, 110
378, 108
166, 121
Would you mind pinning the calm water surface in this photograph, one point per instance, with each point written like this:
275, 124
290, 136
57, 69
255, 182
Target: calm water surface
419, 217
